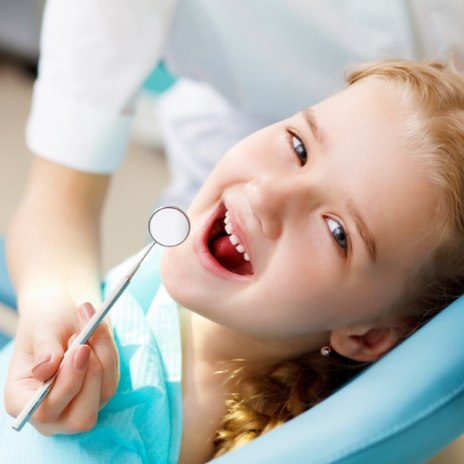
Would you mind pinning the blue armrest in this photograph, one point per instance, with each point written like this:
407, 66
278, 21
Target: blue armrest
402, 410
7, 293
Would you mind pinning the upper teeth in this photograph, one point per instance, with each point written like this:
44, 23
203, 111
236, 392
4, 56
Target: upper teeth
233, 238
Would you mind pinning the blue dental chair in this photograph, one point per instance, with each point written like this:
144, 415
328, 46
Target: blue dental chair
7, 295
402, 410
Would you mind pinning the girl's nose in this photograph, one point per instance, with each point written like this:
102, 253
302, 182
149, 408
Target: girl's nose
275, 200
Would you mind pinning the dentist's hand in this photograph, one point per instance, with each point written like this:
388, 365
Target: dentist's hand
86, 380
54, 258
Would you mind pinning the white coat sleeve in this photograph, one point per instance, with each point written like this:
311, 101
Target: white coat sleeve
95, 54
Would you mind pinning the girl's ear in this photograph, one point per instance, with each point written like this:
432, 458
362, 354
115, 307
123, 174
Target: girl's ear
365, 343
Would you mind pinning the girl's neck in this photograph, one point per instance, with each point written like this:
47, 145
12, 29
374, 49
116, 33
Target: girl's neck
204, 392
211, 354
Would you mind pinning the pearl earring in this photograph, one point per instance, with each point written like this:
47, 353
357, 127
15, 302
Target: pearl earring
326, 350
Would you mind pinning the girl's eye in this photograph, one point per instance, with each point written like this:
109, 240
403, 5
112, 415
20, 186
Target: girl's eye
338, 233
299, 149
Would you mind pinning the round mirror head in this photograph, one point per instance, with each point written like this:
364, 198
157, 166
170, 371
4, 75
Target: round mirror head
169, 226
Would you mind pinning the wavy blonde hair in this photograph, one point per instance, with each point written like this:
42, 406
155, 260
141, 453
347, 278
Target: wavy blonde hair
433, 105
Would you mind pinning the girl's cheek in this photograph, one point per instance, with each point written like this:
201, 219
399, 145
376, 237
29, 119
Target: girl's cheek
169, 264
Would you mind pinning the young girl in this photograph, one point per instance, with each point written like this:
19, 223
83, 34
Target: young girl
321, 240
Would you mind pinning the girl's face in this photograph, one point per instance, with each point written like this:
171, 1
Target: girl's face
327, 212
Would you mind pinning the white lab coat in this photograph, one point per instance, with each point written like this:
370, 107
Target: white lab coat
263, 60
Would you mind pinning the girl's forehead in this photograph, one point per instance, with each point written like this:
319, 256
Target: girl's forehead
371, 161
366, 96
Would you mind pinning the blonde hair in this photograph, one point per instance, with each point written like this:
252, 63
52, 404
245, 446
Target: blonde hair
433, 104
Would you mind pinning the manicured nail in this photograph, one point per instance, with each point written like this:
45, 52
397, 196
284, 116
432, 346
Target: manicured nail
41, 361
81, 357
86, 311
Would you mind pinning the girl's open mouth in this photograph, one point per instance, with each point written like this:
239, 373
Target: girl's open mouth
225, 247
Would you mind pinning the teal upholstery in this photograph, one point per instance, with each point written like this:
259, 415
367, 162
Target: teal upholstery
7, 294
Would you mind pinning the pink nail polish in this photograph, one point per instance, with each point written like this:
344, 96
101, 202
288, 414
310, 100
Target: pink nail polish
86, 311
81, 357
41, 361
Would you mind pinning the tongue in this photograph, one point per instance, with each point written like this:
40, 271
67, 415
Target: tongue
228, 256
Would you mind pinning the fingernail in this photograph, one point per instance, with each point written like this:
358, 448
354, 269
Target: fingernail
81, 357
86, 311
41, 361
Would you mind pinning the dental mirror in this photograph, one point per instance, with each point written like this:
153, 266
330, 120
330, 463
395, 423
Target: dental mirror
169, 226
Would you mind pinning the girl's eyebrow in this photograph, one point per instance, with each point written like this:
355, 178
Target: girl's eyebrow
363, 230
361, 227
318, 134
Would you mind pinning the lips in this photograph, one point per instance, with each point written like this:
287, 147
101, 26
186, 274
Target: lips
225, 245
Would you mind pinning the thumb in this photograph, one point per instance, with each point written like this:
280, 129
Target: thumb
48, 354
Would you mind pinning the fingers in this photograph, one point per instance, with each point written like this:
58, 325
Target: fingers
67, 384
36, 357
72, 404
86, 379
104, 348
82, 413
49, 355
